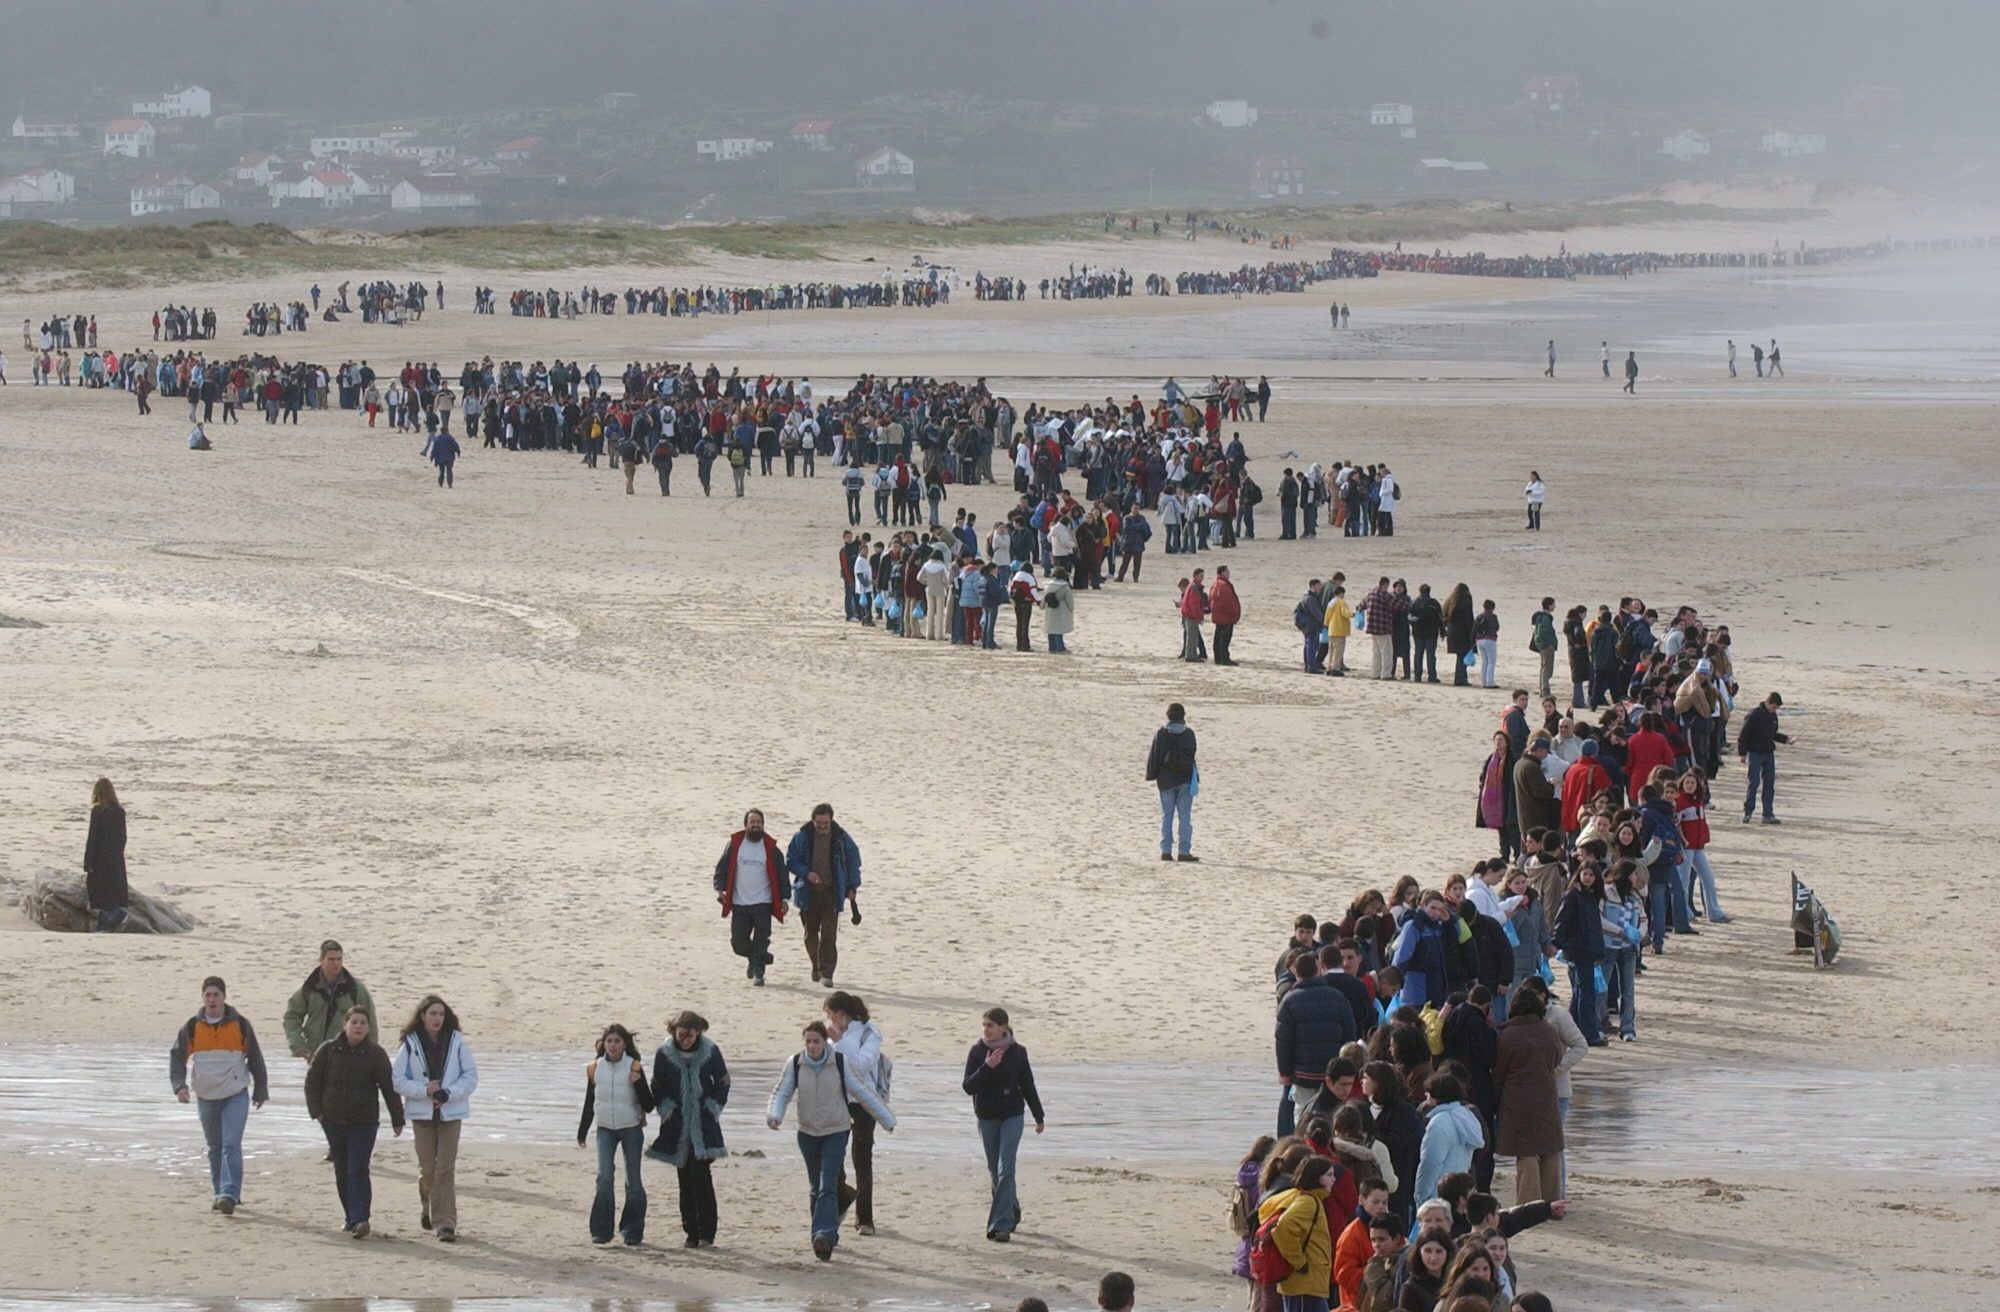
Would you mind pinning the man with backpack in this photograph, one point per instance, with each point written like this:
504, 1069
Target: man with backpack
1543, 642
1170, 764
1307, 617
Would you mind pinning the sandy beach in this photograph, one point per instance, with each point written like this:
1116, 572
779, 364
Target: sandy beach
493, 740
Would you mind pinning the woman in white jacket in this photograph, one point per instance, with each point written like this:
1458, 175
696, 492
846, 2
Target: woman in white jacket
859, 1042
824, 1086
435, 1074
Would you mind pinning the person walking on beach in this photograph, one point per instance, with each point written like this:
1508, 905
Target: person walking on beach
690, 1089
1550, 372
1537, 492
818, 1079
739, 464
106, 890
443, 451
1170, 764
1631, 373
1194, 609
317, 1011
750, 885
1757, 747
1604, 355
1776, 370
826, 873
859, 1041
347, 1084
436, 1075
1001, 1083
1757, 358
1732, 357
216, 1064
617, 1096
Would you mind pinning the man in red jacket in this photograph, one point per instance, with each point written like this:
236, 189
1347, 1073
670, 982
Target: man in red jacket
1194, 609
1581, 782
750, 885
1646, 750
1225, 610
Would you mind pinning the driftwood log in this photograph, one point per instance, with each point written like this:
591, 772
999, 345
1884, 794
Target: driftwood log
56, 901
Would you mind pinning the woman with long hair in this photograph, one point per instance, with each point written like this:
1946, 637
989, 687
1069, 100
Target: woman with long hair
690, 1088
1001, 1084
1470, 1275
1429, 1260
1403, 897
1691, 805
1303, 1237
1398, 1126
436, 1076
1624, 914
859, 1040
105, 888
616, 1095
818, 1078
1458, 617
1496, 796
1243, 1202
1486, 635
347, 1084
1579, 934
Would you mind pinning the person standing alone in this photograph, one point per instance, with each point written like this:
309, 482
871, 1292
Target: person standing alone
1757, 747
104, 880
1170, 764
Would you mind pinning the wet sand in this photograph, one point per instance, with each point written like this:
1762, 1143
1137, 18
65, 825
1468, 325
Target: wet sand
545, 704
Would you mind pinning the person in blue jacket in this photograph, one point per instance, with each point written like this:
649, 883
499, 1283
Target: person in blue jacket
1420, 952
1664, 886
1452, 1133
442, 448
826, 873
1314, 1022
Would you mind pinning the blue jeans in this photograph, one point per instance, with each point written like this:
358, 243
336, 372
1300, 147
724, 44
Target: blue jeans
1287, 1111
1764, 775
1303, 1303
1176, 802
824, 1154
1002, 1140
986, 641
1562, 1168
1622, 974
1583, 1000
632, 1221
351, 1146
1056, 643
1666, 895
1173, 539
1694, 865
222, 1121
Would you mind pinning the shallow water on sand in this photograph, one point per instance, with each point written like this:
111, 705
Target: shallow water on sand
1679, 1119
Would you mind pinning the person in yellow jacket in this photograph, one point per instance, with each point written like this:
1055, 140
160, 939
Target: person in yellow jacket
1303, 1238
1339, 626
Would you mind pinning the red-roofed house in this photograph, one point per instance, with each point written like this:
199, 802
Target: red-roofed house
518, 148
885, 169
130, 137
813, 134
254, 172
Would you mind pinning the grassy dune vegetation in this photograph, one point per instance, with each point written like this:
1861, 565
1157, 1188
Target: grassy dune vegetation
45, 255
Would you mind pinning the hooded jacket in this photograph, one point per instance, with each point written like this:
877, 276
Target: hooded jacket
1175, 735
459, 1077
690, 1089
316, 1011
1452, 1133
344, 1081
1302, 1239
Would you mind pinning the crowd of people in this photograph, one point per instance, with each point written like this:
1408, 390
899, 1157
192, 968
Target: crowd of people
268, 319
551, 303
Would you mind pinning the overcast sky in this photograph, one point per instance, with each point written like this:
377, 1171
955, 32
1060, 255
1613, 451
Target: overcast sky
375, 59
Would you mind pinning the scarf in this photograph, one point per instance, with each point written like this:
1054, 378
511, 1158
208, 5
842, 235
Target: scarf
1001, 1045
693, 1145
1493, 793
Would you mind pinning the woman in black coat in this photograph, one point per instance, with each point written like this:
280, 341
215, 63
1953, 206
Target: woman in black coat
1398, 1126
1459, 612
1578, 644
104, 882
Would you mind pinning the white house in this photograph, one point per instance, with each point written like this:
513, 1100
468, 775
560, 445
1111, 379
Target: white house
1388, 115
348, 143
31, 193
424, 154
1684, 145
164, 191
813, 134
182, 102
130, 137
519, 148
24, 130
725, 148
433, 193
1787, 142
885, 169
1231, 113
254, 172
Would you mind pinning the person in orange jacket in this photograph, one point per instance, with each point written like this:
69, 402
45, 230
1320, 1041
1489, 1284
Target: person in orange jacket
1354, 1247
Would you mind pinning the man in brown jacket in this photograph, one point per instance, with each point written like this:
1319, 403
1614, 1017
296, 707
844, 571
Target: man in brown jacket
1534, 795
1525, 1063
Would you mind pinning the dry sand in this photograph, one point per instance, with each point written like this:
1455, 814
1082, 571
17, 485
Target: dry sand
545, 704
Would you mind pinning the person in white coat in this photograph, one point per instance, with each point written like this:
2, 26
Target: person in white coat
819, 1080
1536, 492
1387, 494
859, 1042
435, 1075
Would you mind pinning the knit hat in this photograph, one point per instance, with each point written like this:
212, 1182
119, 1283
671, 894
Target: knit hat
1704, 666
1590, 747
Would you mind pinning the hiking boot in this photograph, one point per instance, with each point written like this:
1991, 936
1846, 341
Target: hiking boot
822, 1248
1189, 856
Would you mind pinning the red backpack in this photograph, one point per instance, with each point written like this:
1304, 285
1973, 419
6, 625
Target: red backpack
1268, 1266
